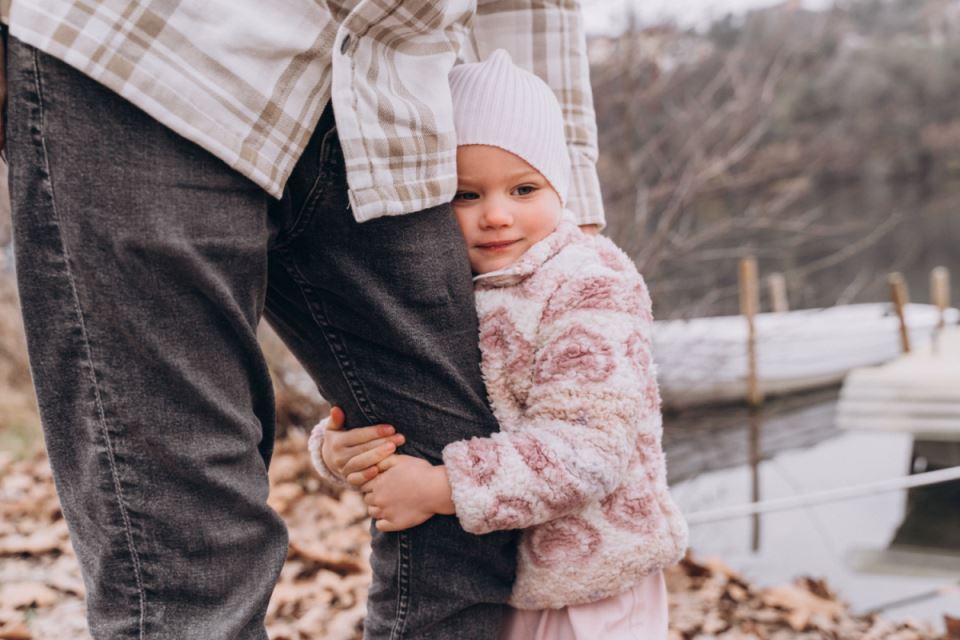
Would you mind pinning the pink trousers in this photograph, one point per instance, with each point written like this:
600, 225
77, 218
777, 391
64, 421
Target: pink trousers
639, 613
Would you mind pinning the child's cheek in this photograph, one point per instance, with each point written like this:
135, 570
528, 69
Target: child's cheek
476, 265
462, 216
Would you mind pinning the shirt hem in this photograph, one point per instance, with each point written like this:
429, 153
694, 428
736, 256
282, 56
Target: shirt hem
370, 203
210, 137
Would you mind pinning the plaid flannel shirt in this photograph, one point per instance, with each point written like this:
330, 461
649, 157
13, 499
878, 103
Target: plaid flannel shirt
247, 80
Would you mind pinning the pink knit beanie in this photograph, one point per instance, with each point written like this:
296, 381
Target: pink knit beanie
497, 103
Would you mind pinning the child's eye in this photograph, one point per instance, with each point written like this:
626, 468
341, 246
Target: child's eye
525, 190
465, 195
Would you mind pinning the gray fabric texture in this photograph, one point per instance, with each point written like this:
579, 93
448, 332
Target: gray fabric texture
144, 265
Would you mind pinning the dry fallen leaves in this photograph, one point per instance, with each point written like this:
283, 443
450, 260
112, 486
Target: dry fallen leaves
323, 586
801, 605
708, 600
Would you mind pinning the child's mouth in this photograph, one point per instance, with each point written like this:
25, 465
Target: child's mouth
496, 246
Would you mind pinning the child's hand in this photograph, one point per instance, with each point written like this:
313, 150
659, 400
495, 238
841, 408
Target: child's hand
353, 454
408, 492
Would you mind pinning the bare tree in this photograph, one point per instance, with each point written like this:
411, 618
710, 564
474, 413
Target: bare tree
697, 171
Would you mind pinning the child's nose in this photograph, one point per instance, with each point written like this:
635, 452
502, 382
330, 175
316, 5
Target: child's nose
496, 215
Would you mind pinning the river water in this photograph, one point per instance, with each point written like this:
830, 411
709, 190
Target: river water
715, 459
799, 451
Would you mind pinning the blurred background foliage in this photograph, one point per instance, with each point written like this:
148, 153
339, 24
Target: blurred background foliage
826, 143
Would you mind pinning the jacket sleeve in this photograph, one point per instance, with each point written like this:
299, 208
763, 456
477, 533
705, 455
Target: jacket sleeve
314, 444
592, 387
557, 52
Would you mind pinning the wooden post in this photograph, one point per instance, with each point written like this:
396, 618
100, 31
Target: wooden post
940, 292
777, 286
900, 297
749, 302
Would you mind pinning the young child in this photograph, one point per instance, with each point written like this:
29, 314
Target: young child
565, 327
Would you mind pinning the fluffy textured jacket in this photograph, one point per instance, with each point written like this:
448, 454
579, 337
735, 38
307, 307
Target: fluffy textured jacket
565, 344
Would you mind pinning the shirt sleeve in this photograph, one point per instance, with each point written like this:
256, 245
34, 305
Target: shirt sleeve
591, 396
547, 38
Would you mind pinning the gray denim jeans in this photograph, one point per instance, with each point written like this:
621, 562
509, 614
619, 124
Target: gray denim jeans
144, 265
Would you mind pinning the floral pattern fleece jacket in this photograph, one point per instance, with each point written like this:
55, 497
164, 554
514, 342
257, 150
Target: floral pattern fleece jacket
565, 337
565, 345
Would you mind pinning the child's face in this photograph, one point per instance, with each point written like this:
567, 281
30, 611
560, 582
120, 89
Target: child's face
503, 206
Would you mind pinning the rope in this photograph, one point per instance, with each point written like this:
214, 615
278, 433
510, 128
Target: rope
823, 497
944, 590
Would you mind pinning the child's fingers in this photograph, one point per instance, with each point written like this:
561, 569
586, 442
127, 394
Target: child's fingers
368, 458
360, 478
396, 440
386, 525
360, 435
352, 437
335, 423
390, 461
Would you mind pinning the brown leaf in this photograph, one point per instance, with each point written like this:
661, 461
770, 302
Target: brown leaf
800, 605
337, 562
347, 623
714, 623
20, 595
283, 495
15, 631
738, 593
39, 542
694, 568
953, 627
818, 587
66, 583
718, 567
285, 468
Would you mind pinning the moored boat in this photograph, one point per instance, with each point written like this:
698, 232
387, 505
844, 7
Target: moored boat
917, 393
704, 360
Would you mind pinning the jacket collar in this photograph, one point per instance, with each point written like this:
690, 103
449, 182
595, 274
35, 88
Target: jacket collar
565, 233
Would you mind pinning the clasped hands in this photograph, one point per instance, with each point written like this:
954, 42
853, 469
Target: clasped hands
400, 491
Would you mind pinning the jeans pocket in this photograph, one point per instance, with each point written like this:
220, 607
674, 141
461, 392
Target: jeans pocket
330, 174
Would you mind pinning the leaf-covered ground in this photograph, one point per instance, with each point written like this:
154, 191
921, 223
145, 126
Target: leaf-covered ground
323, 586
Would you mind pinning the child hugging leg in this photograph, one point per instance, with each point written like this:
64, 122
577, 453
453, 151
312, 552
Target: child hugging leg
565, 322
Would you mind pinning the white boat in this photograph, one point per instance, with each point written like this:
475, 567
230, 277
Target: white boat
704, 360
917, 393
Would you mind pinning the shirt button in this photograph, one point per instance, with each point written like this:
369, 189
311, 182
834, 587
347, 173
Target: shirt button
345, 44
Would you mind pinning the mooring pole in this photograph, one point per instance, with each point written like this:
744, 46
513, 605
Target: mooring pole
900, 297
940, 292
749, 302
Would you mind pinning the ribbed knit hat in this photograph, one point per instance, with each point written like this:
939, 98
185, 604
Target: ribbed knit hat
497, 103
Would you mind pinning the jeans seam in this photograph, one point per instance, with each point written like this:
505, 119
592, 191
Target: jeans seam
98, 400
336, 346
323, 174
403, 585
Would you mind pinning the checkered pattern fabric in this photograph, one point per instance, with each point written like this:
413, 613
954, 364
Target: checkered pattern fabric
247, 80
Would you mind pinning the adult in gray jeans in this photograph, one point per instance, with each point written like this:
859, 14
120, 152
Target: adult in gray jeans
172, 182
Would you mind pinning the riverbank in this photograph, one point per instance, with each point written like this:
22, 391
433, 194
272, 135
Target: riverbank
323, 585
